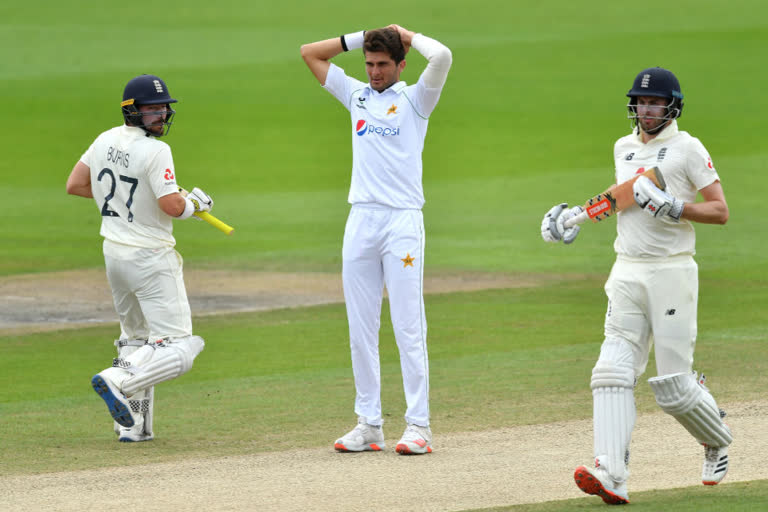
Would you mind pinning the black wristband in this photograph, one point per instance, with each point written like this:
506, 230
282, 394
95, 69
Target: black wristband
344, 44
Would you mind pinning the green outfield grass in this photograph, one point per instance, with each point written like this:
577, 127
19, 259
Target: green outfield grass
498, 358
737, 497
528, 118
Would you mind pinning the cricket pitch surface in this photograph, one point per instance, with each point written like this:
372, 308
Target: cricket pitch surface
508, 466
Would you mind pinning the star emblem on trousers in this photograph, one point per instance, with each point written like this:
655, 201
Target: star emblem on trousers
408, 260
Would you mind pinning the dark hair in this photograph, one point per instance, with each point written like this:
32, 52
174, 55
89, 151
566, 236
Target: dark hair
385, 40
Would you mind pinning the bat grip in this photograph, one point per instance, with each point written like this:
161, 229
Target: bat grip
578, 219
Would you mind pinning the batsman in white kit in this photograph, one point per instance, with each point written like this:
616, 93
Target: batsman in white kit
652, 289
384, 235
130, 175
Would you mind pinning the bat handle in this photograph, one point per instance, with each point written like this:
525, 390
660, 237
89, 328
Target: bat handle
578, 219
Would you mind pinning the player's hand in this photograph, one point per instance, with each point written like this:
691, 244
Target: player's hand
553, 224
549, 230
655, 201
568, 234
405, 36
201, 200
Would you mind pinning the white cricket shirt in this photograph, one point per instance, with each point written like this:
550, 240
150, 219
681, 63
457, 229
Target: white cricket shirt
686, 167
129, 173
388, 131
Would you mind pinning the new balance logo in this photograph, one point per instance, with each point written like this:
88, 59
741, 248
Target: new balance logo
661, 155
646, 81
670, 312
158, 85
629, 157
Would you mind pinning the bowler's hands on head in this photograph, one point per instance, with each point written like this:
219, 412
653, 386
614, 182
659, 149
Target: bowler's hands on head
406, 36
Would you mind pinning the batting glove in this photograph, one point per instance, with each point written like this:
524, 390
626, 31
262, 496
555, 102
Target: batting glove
549, 230
201, 200
568, 234
553, 224
655, 201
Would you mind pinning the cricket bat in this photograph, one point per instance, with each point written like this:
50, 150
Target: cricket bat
213, 221
210, 219
615, 199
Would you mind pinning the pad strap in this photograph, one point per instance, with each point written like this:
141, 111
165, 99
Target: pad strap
130, 343
139, 406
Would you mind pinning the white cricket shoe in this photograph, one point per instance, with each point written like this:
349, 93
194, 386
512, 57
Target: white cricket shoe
599, 483
116, 401
363, 437
415, 441
134, 434
715, 465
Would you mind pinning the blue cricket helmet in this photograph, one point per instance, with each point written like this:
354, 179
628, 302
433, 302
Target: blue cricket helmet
661, 83
146, 90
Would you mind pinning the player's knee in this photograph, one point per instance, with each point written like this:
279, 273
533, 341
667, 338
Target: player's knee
677, 393
682, 396
188, 349
615, 366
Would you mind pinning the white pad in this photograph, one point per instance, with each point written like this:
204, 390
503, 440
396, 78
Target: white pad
160, 361
149, 414
693, 406
613, 382
142, 403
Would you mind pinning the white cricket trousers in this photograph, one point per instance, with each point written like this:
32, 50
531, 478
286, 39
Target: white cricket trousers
385, 246
148, 291
654, 301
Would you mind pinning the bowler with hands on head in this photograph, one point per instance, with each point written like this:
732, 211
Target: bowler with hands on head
384, 235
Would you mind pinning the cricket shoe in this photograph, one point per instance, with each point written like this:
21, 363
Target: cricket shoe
362, 438
715, 465
415, 441
116, 402
599, 483
134, 434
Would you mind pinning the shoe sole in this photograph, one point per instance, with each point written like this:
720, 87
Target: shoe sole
120, 413
129, 440
373, 447
404, 449
715, 482
591, 485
